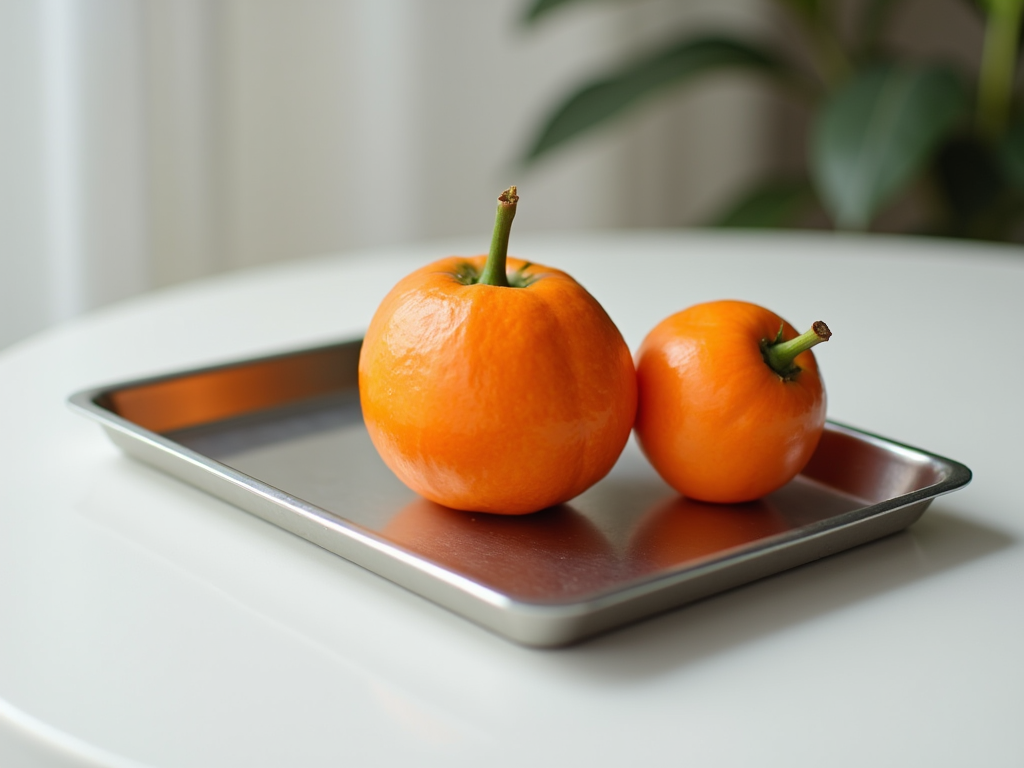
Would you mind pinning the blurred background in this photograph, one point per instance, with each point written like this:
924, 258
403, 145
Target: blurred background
149, 143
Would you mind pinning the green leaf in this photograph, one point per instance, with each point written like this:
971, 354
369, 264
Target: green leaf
968, 176
602, 99
809, 9
876, 132
1001, 6
539, 8
874, 15
974, 180
776, 203
1011, 156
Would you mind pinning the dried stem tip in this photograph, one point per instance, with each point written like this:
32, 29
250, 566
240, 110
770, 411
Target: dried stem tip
494, 268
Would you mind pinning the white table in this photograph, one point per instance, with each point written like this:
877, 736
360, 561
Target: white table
143, 622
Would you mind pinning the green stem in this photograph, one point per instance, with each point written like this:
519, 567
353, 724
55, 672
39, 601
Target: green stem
494, 269
999, 59
826, 46
874, 16
834, 60
781, 355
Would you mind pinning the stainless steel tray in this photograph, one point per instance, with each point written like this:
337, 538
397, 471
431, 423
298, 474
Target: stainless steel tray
282, 437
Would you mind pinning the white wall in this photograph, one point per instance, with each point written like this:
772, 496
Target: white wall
147, 143
73, 207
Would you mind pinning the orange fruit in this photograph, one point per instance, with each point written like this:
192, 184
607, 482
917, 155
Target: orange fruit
494, 385
729, 410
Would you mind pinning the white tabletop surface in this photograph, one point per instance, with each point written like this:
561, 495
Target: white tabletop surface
143, 622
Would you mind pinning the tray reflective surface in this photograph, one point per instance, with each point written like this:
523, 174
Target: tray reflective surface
283, 438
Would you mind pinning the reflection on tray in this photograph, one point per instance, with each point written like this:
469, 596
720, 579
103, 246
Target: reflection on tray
682, 531
549, 554
205, 397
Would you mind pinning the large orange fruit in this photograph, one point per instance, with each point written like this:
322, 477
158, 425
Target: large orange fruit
490, 384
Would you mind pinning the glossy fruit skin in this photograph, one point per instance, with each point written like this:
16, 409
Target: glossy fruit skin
496, 399
715, 421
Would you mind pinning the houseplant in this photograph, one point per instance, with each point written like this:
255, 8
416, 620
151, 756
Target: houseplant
881, 122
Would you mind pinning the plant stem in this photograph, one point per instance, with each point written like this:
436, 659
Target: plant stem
999, 59
781, 355
834, 59
494, 269
874, 16
826, 46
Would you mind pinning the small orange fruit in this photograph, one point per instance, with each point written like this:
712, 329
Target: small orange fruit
731, 404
